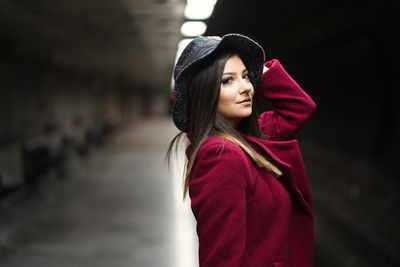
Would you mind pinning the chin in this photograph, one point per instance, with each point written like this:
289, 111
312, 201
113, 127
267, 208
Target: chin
247, 114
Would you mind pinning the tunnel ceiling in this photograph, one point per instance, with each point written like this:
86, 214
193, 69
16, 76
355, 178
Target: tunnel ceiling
137, 39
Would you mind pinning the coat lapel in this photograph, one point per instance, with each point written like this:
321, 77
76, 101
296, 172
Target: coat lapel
287, 155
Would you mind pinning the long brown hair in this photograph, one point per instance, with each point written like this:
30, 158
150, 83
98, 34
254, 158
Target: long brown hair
205, 121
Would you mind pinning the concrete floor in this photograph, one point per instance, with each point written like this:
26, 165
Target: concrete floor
118, 207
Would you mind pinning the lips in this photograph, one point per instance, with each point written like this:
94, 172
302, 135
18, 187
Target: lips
246, 100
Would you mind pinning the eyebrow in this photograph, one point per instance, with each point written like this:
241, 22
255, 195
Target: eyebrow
232, 73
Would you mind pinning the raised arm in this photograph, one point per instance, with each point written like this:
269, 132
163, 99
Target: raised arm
292, 107
218, 198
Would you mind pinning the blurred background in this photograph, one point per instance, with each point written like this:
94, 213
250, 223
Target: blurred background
85, 123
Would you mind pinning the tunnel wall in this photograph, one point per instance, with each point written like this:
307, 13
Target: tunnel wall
58, 109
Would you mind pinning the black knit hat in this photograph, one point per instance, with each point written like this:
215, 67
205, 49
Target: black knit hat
200, 49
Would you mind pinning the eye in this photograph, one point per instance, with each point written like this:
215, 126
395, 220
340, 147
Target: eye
246, 76
226, 80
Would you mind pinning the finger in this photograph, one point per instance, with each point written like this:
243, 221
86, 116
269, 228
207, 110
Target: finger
216, 38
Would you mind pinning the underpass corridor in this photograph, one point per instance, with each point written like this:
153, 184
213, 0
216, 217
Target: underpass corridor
118, 207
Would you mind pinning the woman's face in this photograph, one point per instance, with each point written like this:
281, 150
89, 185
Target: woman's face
236, 94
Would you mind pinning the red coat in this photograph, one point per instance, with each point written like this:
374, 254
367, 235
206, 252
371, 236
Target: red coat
245, 216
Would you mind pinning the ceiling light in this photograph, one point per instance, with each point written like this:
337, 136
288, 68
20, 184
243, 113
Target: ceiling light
193, 28
199, 9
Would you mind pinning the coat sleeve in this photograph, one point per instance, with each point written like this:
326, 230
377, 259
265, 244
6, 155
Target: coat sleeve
292, 107
218, 199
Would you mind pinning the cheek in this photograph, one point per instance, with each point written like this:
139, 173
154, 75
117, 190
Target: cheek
225, 98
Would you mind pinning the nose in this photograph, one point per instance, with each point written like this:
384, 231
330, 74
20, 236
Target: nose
245, 86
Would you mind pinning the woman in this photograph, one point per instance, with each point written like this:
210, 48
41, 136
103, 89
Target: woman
245, 176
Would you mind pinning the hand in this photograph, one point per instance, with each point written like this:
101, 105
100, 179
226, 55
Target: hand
216, 38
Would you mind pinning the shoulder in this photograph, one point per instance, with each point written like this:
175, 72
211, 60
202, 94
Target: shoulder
218, 147
219, 162
219, 153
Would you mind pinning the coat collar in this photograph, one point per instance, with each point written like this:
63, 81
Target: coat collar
264, 145
287, 155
